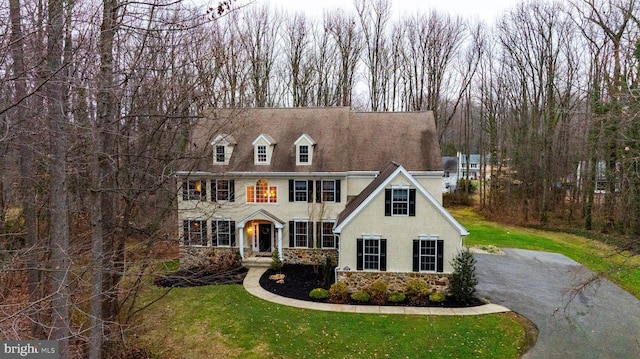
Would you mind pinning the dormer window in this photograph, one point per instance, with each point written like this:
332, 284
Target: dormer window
263, 149
222, 149
304, 150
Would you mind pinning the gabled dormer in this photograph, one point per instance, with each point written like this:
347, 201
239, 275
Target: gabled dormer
304, 150
263, 149
223, 145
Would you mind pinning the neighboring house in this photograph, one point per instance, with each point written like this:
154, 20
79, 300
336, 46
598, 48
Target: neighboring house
450, 175
474, 166
361, 188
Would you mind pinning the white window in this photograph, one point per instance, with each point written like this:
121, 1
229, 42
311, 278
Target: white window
301, 234
223, 232
428, 255
328, 191
222, 190
194, 190
300, 191
194, 232
262, 193
221, 156
303, 155
400, 201
371, 254
327, 237
261, 154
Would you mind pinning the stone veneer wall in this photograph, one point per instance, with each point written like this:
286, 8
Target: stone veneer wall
203, 256
396, 281
309, 256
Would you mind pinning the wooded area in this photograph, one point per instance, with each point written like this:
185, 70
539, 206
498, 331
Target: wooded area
97, 99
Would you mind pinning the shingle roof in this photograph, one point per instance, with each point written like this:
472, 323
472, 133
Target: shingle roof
345, 140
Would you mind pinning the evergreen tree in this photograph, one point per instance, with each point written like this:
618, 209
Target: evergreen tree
463, 280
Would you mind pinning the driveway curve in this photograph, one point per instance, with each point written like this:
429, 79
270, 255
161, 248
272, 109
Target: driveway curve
603, 321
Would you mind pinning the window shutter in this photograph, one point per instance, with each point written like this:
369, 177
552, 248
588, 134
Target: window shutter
203, 190
412, 202
310, 234
440, 256
232, 190
291, 234
291, 188
318, 234
337, 190
214, 233
383, 254
359, 254
214, 190
318, 191
185, 190
387, 202
416, 255
310, 191
232, 229
185, 233
204, 232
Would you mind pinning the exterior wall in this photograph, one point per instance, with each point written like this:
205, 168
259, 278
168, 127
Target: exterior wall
395, 281
310, 256
400, 231
203, 256
433, 184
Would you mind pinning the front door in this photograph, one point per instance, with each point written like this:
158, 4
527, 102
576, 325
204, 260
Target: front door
264, 237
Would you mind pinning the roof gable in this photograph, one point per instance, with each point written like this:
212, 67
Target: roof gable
378, 185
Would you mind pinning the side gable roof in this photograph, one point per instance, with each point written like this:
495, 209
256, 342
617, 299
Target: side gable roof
378, 185
345, 140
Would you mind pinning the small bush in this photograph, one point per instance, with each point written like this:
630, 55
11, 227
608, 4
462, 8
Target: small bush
437, 297
276, 263
319, 293
396, 297
378, 292
339, 293
417, 291
360, 296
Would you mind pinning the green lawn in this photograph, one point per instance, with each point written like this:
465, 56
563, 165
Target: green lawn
599, 257
227, 322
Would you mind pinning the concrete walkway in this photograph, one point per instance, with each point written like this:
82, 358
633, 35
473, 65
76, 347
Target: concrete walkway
252, 285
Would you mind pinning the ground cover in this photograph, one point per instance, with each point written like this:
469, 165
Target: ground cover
619, 266
225, 321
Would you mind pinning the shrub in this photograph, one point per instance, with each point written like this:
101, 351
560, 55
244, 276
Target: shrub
437, 297
396, 297
339, 293
378, 292
327, 272
463, 280
360, 296
276, 263
319, 293
417, 291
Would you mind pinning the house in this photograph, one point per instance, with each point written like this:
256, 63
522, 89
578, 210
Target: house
473, 168
361, 188
450, 174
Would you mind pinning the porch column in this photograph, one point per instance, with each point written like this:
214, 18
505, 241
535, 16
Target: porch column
280, 243
241, 230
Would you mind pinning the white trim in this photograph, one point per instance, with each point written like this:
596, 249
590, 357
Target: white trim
266, 138
463, 231
306, 137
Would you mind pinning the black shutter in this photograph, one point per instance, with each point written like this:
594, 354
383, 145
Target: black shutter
310, 191
232, 190
203, 190
337, 190
387, 202
318, 234
440, 256
214, 190
383, 254
318, 191
214, 233
204, 232
185, 190
412, 202
291, 234
416, 255
310, 234
359, 254
185, 233
291, 188
232, 230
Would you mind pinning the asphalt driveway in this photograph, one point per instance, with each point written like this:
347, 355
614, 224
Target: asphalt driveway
601, 322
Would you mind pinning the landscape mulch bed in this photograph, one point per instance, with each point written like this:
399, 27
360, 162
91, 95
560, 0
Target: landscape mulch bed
301, 279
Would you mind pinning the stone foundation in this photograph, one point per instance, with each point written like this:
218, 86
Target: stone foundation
204, 256
396, 281
313, 256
